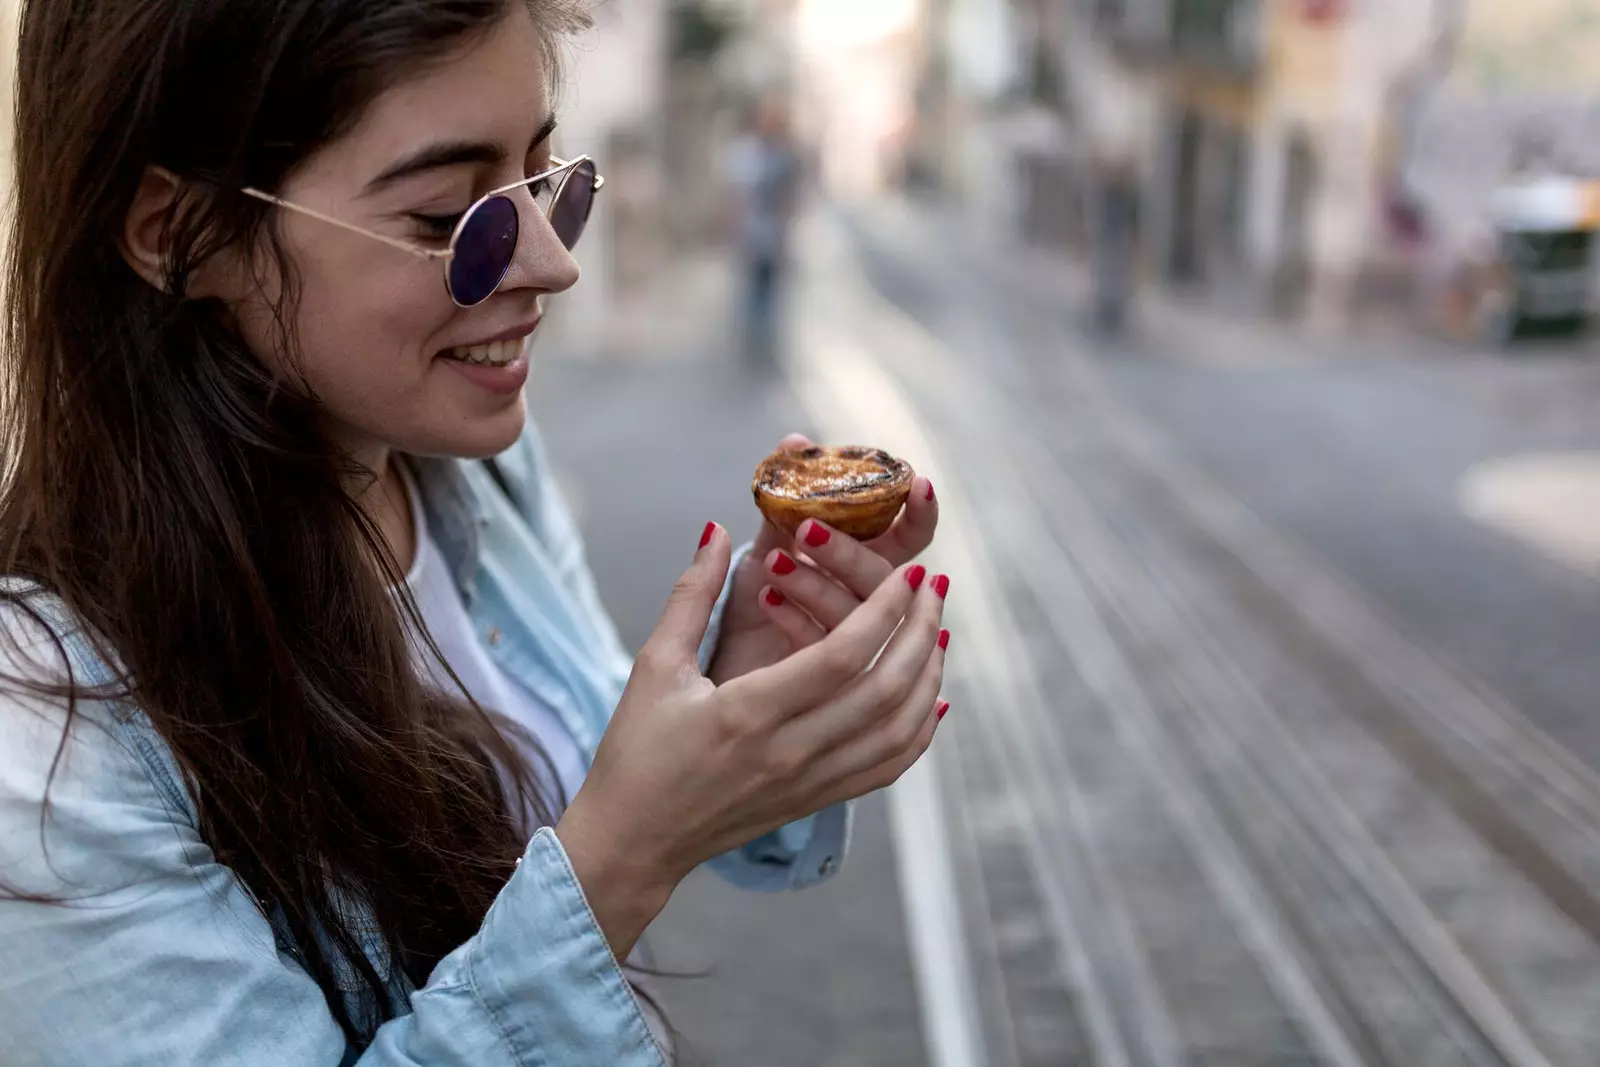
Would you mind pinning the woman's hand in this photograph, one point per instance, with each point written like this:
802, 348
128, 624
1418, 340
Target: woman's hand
759, 629
688, 770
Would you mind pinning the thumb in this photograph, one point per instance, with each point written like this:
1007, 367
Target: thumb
682, 626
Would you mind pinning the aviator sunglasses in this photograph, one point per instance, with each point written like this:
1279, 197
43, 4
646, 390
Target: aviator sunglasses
484, 241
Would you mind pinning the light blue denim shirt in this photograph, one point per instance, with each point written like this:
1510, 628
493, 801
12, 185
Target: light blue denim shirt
166, 960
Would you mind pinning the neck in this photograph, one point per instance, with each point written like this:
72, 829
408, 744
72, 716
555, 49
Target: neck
384, 498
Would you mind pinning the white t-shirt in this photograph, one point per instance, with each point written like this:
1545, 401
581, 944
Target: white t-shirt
439, 603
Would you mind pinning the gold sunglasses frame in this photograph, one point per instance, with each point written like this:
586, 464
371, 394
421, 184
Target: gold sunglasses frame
566, 167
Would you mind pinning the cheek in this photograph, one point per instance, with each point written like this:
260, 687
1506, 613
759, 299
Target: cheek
367, 334
368, 330
367, 340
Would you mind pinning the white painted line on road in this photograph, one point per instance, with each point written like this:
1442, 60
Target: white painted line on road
1550, 503
951, 1022
854, 396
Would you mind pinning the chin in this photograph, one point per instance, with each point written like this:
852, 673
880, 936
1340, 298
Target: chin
482, 437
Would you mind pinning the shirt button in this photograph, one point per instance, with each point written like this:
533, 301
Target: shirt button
494, 636
826, 867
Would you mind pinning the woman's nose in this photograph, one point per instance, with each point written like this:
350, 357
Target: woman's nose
542, 262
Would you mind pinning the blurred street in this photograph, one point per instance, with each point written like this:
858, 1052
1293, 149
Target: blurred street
1248, 343
1263, 751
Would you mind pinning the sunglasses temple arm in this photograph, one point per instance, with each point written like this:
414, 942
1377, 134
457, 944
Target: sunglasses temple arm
421, 253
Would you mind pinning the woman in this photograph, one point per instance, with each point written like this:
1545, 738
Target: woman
298, 688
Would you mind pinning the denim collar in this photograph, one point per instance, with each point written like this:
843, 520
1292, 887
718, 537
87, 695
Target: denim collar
456, 517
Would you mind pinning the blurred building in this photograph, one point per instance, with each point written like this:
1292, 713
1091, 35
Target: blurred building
1307, 158
855, 65
654, 91
1260, 128
613, 107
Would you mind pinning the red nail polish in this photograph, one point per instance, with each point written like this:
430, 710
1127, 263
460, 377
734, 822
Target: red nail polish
915, 576
775, 598
816, 536
705, 538
941, 585
944, 638
784, 564
930, 492
944, 706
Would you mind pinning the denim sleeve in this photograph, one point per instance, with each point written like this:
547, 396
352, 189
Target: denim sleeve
160, 958
795, 856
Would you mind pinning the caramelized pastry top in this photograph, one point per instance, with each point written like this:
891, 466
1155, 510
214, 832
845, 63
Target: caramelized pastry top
836, 473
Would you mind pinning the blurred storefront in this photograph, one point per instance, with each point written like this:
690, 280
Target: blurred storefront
1260, 130
1266, 175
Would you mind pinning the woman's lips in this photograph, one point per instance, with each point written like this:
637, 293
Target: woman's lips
502, 372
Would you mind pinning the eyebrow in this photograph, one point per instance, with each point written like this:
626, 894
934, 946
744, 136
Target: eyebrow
451, 154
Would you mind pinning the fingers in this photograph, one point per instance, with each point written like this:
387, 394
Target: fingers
682, 626
901, 673
814, 592
878, 757
816, 674
797, 625
857, 567
913, 531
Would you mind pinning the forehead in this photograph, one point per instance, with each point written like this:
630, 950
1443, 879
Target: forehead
494, 88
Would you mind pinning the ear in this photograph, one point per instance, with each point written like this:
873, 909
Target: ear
145, 231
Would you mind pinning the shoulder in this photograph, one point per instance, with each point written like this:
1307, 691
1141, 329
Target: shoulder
78, 796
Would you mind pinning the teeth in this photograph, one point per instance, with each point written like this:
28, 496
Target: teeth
498, 354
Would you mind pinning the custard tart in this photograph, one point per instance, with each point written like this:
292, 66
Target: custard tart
856, 490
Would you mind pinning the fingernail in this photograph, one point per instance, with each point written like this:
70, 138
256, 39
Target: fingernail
944, 639
710, 532
915, 576
784, 564
930, 492
816, 536
941, 585
775, 598
944, 706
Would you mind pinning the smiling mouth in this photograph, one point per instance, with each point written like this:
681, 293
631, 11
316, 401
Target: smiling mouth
494, 354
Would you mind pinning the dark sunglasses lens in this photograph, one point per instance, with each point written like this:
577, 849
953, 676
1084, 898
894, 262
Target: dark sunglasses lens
484, 251
569, 213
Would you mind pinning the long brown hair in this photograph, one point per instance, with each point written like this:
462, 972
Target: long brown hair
188, 507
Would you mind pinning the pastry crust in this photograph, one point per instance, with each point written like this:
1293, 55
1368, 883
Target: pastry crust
856, 490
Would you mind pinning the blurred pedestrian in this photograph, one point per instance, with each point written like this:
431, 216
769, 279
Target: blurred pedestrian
1114, 240
764, 171
316, 745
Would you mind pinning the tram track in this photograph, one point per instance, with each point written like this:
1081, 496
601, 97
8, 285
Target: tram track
1359, 962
